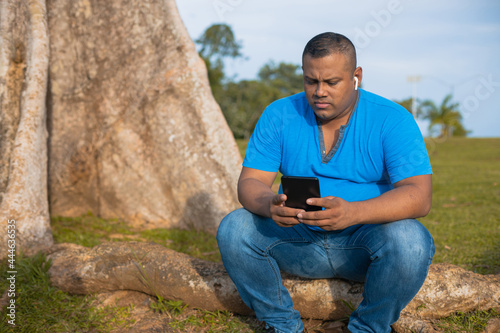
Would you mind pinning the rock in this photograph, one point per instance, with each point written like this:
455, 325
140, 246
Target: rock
135, 132
407, 324
146, 267
144, 319
334, 327
24, 59
156, 270
153, 269
493, 326
449, 288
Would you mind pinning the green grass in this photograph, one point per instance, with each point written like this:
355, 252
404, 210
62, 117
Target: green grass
196, 320
215, 321
242, 146
472, 322
89, 230
465, 214
39, 307
195, 243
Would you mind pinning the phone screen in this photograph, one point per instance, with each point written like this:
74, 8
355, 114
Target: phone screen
299, 189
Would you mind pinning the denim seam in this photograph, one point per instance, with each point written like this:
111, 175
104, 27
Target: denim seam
277, 280
365, 299
276, 275
283, 241
367, 249
297, 327
431, 248
365, 296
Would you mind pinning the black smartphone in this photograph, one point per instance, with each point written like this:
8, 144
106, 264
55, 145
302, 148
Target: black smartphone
299, 189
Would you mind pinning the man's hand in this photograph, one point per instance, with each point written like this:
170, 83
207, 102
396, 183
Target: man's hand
410, 198
282, 215
337, 215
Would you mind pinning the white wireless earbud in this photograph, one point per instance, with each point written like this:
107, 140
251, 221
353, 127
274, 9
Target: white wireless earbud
356, 83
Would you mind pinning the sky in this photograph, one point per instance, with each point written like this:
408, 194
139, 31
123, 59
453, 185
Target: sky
449, 46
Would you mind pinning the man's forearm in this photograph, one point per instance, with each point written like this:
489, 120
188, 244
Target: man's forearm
255, 196
407, 201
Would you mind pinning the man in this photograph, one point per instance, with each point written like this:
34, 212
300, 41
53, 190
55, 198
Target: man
375, 179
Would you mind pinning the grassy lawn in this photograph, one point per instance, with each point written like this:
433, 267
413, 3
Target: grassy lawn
465, 215
464, 220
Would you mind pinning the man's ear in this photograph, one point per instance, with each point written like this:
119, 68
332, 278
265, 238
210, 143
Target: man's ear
358, 76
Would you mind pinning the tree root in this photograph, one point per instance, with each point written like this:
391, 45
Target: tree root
158, 271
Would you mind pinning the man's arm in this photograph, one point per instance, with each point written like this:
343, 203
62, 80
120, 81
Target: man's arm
410, 198
255, 194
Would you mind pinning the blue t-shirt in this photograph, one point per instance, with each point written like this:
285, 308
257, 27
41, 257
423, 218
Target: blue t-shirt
379, 146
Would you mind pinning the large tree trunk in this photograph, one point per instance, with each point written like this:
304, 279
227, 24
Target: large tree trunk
24, 57
134, 130
155, 270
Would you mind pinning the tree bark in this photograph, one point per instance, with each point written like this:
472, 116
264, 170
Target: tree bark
134, 130
24, 58
155, 270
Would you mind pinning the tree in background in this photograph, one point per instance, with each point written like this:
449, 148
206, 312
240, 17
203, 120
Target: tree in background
446, 117
218, 43
285, 77
242, 102
408, 104
242, 105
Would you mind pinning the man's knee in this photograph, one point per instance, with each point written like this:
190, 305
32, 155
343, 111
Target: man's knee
410, 242
231, 222
231, 228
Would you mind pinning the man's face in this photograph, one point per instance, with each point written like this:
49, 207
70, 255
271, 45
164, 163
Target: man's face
329, 85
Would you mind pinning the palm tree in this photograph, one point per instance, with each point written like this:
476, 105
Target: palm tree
446, 117
408, 105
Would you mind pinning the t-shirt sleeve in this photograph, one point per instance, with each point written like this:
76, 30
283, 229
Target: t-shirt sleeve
404, 149
264, 148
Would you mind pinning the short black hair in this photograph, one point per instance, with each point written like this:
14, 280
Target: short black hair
328, 43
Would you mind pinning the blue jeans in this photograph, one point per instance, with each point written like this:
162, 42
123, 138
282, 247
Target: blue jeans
392, 260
